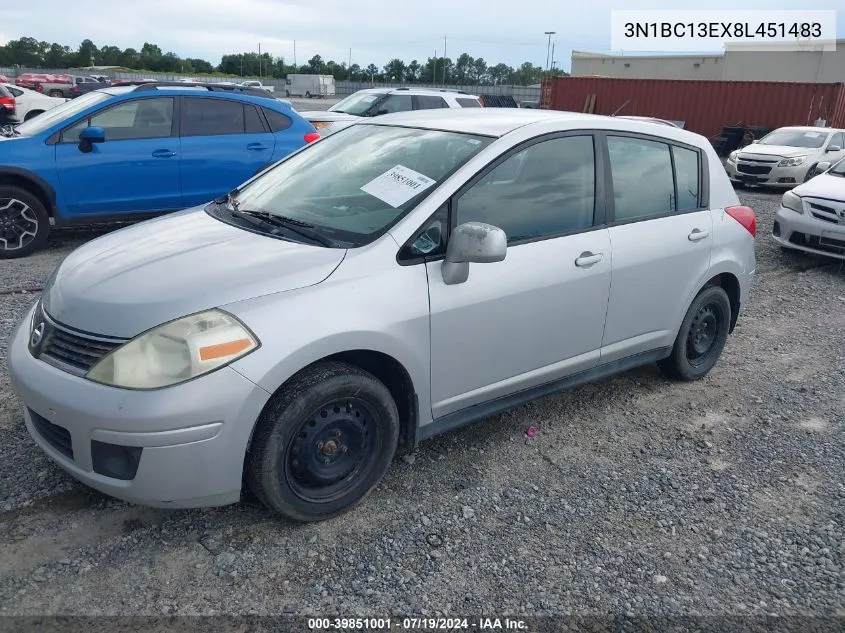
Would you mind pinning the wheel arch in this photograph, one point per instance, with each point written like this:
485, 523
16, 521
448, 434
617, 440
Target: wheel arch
390, 371
730, 284
33, 183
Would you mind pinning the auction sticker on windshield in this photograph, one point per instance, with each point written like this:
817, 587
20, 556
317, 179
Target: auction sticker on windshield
397, 185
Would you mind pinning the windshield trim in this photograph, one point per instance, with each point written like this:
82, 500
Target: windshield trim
349, 239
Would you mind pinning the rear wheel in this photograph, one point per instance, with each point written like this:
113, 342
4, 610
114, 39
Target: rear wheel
323, 443
24, 223
702, 337
307, 95
56, 93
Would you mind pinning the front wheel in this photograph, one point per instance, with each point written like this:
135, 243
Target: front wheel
24, 223
56, 93
323, 443
702, 337
811, 173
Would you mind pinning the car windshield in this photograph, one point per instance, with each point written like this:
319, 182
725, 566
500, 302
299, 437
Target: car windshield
357, 103
795, 138
838, 169
67, 110
354, 185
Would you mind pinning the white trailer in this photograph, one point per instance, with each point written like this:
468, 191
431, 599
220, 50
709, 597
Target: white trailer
309, 86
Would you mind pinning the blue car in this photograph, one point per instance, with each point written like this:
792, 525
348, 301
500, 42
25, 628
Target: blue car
135, 151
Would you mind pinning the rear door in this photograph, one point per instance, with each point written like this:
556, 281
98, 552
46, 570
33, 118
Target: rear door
224, 143
136, 169
429, 102
660, 233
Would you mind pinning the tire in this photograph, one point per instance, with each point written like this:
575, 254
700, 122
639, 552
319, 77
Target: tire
307, 95
323, 443
32, 113
56, 93
708, 317
24, 223
287, 93
810, 173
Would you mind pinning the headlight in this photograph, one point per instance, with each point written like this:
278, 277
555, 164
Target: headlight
793, 202
792, 162
175, 352
732, 156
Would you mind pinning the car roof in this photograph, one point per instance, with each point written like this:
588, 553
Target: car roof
194, 90
501, 121
807, 128
416, 91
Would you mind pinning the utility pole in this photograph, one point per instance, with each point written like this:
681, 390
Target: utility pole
294, 56
350, 59
548, 46
259, 60
434, 69
552, 68
444, 61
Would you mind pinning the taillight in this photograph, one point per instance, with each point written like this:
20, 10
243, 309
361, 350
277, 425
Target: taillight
39, 87
311, 137
8, 103
320, 124
75, 90
745, 216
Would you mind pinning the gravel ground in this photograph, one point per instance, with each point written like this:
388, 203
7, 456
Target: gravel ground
636, 496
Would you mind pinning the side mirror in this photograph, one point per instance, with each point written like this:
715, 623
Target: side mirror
472, 242
823, 166
89, 136
834, 148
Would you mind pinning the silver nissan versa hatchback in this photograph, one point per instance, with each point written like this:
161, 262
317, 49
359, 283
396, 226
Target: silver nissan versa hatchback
400, 278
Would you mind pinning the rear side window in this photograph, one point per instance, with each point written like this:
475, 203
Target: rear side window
468, 103
643, 184
395, 103
277, 120
211, 117
425, 102
252, 120
686, 177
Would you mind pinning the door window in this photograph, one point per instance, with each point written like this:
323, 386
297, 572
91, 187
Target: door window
687, 177
211, 117
395, 103
131, 120
429, 103
545, 190
643, 184
838, 140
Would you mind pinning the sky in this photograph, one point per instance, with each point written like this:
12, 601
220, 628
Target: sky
375, 30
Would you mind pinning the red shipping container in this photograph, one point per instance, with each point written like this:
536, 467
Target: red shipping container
704, 106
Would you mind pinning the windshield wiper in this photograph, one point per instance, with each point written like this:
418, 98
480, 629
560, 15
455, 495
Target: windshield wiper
294, 226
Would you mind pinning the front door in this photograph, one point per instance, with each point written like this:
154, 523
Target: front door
539, 314
224, 144
136, 169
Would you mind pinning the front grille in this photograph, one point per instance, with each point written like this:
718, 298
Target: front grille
821, 207
753, 169
56, 436
826, 218
824, 212
74, 349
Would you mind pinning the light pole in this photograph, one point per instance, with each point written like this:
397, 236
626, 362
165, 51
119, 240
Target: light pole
548, 46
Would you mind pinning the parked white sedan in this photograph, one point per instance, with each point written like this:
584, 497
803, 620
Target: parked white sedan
30, 103
811, 217
786, 157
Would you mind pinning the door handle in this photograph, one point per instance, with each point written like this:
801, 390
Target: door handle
587, 259
697, 235
256, 146
163, 153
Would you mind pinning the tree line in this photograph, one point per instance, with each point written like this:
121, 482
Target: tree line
28, 52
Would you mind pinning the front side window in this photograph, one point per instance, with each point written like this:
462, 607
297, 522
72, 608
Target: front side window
131, 120
838, 140
429, 103
357, 104
643, 183
211, 117
545, 190
355, 184
395, 103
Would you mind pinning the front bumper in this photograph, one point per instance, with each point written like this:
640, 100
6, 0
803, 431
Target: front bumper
786, 177
807, 233
193, 437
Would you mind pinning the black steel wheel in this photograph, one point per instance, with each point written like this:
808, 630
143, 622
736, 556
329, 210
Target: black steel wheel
702, 336
323, 442
24, 223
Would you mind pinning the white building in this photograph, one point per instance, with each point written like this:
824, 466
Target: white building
739, 62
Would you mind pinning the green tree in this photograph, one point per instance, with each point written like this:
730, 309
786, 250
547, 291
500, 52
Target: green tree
412, 71
58, 56
394, 70
372, 73
316, 66
463, 69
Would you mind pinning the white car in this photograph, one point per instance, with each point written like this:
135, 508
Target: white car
377, 101
31, 103
811, 217
786, 157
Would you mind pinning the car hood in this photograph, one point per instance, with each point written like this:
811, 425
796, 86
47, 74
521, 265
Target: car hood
785, 151
325, 115
823, 186
136, 278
